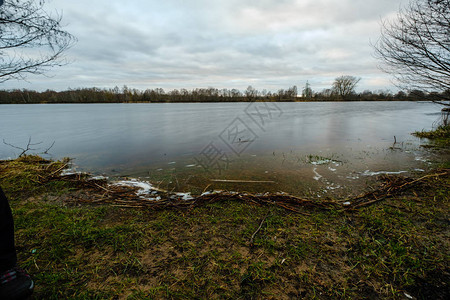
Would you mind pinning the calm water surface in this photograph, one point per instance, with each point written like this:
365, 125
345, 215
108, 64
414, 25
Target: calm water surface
327, 146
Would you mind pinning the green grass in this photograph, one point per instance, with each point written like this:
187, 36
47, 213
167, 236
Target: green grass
105, 252
440, 136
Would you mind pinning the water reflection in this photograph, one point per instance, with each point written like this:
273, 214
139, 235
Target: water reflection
142, 139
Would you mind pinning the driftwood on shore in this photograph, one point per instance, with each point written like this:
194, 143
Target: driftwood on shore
127, 197
391, 186
90, 190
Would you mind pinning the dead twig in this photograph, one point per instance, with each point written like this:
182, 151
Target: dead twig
29, 147
204, 190
242, 181
59, 170
259, 228
48, 149
108, 191
393, 185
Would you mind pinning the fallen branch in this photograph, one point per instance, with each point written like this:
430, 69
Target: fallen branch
242, 181
100, 191
259, 228
392, 186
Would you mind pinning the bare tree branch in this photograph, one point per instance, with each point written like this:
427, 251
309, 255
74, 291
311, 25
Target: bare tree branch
25, 25
48, 149
28, 147
415, 48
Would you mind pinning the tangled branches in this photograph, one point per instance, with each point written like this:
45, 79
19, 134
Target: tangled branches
24, 26
126, 197
95, 190
415, 48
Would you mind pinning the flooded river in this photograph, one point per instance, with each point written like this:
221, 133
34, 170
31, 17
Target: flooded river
298, 148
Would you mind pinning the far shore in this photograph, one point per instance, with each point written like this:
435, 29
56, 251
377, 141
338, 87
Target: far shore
227, 101
206, 95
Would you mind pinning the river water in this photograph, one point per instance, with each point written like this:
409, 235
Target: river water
292, 147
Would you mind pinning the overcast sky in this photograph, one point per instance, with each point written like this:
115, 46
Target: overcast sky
269, 44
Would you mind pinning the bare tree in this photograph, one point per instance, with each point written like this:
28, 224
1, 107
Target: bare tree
344, 86
251, 93
24, 25
415, 48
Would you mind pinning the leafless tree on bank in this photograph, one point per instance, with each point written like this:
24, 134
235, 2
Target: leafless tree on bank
24, 25
344, 86
415, 48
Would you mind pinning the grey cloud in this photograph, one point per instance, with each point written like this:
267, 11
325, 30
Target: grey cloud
228, 43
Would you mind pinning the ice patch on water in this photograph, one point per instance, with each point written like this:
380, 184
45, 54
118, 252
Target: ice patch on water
321, 162
144, 186
318, 176
420, 158
333, 187
184, 196
370, 173
353, 176
211, 192
99, 177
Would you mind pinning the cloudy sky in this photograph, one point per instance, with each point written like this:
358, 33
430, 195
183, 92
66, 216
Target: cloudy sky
269, 44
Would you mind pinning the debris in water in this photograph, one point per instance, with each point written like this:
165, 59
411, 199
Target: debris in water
353, 177
100, 177
144, 187
321, 162
332, 186
369, 173
420, 158
242, 181
184, 196
318, 176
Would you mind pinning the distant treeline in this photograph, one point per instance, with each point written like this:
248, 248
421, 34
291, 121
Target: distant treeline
158, 95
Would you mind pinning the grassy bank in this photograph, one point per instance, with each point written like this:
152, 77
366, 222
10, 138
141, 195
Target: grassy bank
227, 248
439, 137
